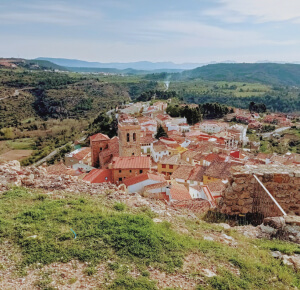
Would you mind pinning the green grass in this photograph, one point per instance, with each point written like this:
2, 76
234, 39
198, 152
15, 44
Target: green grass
21, 144
133, 284
281, 246
40, 228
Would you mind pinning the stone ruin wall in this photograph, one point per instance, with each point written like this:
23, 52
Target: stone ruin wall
283, 182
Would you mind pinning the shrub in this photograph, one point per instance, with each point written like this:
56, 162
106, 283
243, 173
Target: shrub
90, 271
133, 284
119, 206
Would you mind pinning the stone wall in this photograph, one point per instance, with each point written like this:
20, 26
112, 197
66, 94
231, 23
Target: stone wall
129, 140
244, 194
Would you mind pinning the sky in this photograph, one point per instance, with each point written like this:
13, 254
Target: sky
197, 31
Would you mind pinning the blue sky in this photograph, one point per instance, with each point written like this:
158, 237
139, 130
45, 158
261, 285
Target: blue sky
166, 30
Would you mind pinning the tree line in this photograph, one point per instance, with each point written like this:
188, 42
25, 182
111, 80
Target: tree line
196, 114
160, 95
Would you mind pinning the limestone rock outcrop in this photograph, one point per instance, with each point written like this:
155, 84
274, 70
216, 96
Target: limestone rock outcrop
12, 174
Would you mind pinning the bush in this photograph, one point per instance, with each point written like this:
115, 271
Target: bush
90, 271
133, 284
119, 206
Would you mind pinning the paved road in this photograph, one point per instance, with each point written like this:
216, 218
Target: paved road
38, 163
267, 135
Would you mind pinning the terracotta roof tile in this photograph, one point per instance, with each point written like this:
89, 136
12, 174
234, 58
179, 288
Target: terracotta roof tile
147, 139
197, 173
142, 177
216, 186
179, 192
182, 172
186, 172
99, 176
211, 157
173, 160
160, 148
83, 153
197, 205
156, 185
220, 170
189, 154
131, 162
99, 137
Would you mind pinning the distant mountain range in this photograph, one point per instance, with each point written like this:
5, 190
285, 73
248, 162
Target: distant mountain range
139, 65
276, 74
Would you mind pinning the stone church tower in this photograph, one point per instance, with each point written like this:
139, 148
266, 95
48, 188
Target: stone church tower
129, 133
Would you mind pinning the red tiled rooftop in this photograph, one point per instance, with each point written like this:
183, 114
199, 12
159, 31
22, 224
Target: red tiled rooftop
156, 185
182, 172
220, 170
82, 153
131, 162
147, 139
142, 177
196, 205
179, 192
187, 172
211, 157
99, 176
99, 137
216, 186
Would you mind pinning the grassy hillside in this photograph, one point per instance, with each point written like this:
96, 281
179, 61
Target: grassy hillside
267, 73
123, 248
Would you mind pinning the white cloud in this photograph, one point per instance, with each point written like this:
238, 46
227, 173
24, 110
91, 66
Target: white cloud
46, 13
263, 10
192, 33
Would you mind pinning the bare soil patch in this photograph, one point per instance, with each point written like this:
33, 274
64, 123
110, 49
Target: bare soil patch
15, 155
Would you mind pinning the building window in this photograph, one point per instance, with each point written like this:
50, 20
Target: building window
141, 171
120, 178
134, 136
120, 171
128, 137
132, 153
100, 148
130, 171
163, 165
170, 166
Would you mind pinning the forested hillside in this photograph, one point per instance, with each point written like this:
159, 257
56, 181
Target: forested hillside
45, 95
267, 73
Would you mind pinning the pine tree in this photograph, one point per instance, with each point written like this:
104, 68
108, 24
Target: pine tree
161, 132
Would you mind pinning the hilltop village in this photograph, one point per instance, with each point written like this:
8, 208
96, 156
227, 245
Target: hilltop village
186, 164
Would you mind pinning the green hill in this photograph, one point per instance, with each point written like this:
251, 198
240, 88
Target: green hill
33, 64
48, 94
121, 247
43, 64
267, 73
